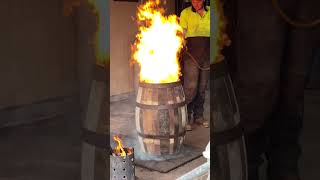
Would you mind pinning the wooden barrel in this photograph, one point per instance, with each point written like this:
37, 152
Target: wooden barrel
161, 116
95, 128
229, 154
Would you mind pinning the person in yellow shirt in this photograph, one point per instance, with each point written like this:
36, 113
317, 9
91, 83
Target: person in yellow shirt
195, 20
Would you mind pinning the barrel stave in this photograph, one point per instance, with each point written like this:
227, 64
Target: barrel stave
166, 122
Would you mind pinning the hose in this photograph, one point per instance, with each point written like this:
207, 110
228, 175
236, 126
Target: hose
287, 19
196, 63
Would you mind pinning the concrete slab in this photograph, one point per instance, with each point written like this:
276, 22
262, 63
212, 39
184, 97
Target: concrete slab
188, 153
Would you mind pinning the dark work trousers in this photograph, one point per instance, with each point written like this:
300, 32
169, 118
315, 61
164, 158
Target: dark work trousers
272, 58
196, 59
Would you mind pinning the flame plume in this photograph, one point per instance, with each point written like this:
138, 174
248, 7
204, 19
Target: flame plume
158, 44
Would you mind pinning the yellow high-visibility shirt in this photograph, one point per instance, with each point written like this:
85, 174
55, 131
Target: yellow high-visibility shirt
194, 23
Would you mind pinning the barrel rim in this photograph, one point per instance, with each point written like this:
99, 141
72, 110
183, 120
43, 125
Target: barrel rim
160, 107
160, 85
162, 137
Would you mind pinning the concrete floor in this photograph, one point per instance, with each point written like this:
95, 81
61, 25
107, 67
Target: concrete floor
51, 149
123, 122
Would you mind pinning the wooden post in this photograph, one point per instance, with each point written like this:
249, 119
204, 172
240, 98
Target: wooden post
96, 130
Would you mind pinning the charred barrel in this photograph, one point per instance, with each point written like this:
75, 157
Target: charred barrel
161, 116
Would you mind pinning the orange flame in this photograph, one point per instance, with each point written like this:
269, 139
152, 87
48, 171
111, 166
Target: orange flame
158, 44
119, 149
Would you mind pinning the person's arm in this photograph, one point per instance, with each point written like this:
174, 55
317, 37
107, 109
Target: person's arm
184, 33
184, 23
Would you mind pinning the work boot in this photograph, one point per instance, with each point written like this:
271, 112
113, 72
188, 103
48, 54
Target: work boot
202, 121
188, 127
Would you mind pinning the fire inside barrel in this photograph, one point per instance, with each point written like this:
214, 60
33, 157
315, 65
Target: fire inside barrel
158, 44
161, 110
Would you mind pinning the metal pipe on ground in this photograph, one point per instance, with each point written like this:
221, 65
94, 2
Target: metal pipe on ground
196, 173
